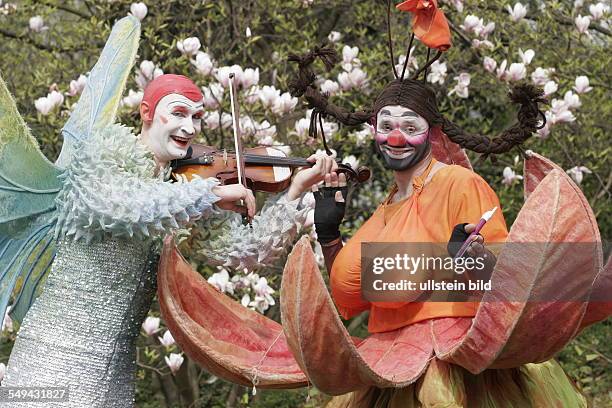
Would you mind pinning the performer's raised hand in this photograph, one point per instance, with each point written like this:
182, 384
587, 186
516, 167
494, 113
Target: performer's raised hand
307, 177
330, 206
231, 194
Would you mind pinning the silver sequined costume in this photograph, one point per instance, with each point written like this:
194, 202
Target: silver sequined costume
81, 331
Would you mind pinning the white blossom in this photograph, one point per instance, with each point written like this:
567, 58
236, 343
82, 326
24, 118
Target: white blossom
251, 96
213, 95
482, 44
166, 340
189, 46
487, 29
578, 4
151, 325
510, 176
582, 23
268, 95
582, 84
330, 87
550, 88
461, 88
412, 61
301, 127
7, 323
248, 32
349, 53
174, 361
146, 73
133, 99
517, 12
577, 173
517, 71
437, 72
351, 161
203, 63
559, 112
250, 77
46, 104
246, 300
139, 10
334, 36
540, 76
77, 85
472, 24
544, 131
572, 100
363, 135
221, 281
284, 104
489, 64
526, 56
598, 10
37, 24
223, 74
501, 70
2, 371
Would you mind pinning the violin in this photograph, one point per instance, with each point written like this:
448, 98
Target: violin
266, 168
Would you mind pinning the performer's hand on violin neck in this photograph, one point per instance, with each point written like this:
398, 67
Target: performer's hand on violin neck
233, 193
307, 177
330, 206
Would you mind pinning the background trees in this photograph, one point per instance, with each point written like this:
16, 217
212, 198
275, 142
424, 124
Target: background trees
47, 45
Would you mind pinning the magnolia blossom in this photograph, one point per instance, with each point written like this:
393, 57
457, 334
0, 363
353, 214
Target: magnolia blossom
248, 32
540, 76
437, 72
174, 361
412, 61
544, 131
221, 281
578, 4
212, 120
48, 103
334, 36
301, 127
284, 104
526, 56
349, 53
461, 88
510, 176
582, 84
550, 87
517, 71
501, 71
223, 74
489, 64
139, 10
2, 371
250, 77
263, 298
213, 95
151, 325
251, 96
582, 23
146, 73
133, 99
472, 24
364, 135
486, 29
37, 24
189, 46
203, 63
598, 10
330, 87
572, 100
351, 161
559, 113
268, 95
166, 340
7, 323
357, 78
518, 12
77, 86
482, 44
577, 173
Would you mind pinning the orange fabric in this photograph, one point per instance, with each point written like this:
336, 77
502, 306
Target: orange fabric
454, 195
429, 23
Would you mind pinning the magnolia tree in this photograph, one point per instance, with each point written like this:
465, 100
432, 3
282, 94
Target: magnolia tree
47, 48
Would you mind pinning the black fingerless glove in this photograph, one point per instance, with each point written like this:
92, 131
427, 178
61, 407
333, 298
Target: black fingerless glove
457, 238
328, 213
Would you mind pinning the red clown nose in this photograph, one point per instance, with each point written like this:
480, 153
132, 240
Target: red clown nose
396, 139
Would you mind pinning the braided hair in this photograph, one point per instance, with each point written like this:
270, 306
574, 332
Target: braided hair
420, 97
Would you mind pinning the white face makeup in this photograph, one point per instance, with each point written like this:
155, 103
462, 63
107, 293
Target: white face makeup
176, 121
401, 136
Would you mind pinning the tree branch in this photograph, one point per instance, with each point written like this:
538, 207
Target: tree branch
36, 44
65, 8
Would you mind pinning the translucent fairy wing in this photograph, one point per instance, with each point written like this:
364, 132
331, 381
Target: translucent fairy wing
100, 99
28, 186
25, 260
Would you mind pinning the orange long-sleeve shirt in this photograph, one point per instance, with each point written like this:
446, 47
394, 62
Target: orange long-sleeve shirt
454, 195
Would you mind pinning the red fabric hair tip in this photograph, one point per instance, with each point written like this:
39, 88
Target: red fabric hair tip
429, 23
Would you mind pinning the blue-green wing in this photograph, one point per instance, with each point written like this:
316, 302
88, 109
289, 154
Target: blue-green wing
28, 186
98, 104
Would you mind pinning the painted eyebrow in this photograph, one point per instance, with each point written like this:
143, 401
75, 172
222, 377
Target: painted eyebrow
412, 114
198, 106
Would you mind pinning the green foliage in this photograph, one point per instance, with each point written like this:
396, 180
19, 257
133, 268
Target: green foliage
33, 62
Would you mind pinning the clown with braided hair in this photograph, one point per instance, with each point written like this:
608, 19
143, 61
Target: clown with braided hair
436, 198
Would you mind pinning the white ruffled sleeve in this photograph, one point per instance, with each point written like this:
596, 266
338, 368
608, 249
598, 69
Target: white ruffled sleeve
110, 187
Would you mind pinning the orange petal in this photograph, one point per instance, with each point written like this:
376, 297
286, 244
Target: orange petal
227, 339
508, 331
446, 151
325, 350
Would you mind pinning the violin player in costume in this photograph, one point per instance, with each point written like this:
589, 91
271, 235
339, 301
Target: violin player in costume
79, 239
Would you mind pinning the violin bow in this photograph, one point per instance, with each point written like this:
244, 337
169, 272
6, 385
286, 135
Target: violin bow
237, 137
